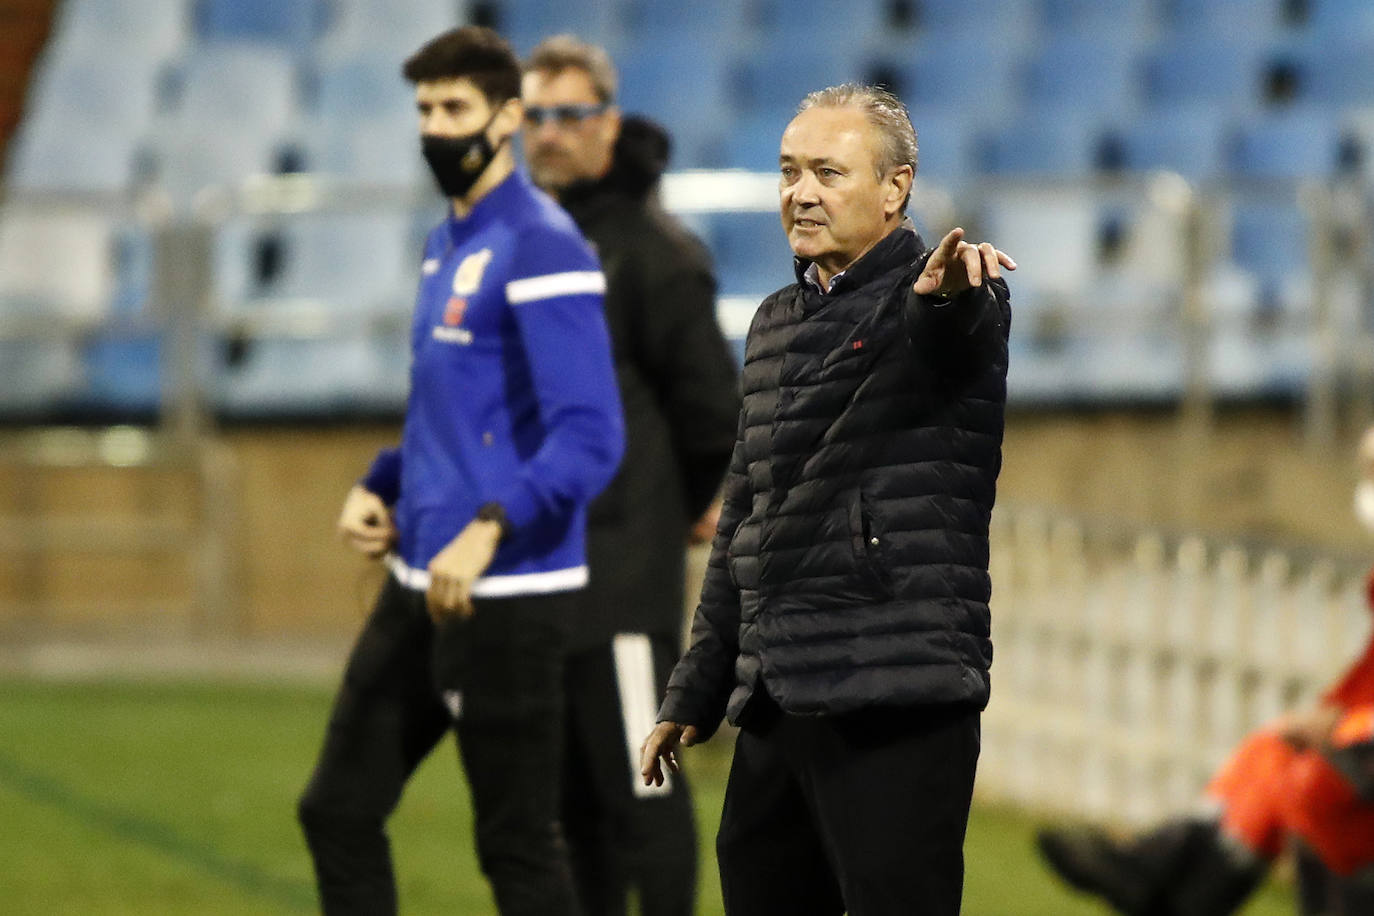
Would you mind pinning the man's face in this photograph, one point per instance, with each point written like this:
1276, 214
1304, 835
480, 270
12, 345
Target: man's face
569, 133
834, 205
451, 107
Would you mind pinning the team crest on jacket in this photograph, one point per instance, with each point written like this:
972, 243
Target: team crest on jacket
468, 277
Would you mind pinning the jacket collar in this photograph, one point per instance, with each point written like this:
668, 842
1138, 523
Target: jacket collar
899, 247
500, 199
637, 163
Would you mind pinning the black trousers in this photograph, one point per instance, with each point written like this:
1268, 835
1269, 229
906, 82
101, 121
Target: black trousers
623, 835
862, 813
495, 678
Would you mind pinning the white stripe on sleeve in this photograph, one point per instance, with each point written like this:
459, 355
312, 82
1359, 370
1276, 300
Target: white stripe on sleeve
634, 676
550, 286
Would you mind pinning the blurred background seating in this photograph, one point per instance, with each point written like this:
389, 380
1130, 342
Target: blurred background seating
174, 98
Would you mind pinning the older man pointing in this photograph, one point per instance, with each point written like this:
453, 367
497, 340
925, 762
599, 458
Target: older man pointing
844, 621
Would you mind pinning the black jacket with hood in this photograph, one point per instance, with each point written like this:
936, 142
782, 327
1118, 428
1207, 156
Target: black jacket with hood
850, 567
679, 386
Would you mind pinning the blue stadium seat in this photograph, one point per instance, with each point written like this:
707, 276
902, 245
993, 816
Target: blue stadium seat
945, 149
667, 21
382, 150
996, 20
293, 24
315, 375
751, 253
796, 23
143, 30
1067, 144
244, 97
967, 73
1223, 73
110, 89
1255, 19
84, 124
1292, 144
354, 262
386, 29
1343, 20
1269, 236
1086, 71
776, 77
123, 370
1338, 72
364, 124
44, 156
1126, 18
1187, 140
255, 87
525, 23
362, 85
684, 89
1269, 240
360, 261
753, 141
134, 264
184, 164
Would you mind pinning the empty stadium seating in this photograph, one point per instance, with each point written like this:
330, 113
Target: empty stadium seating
1248, 96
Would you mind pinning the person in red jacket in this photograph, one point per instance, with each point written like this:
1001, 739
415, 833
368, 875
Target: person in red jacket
1305, 776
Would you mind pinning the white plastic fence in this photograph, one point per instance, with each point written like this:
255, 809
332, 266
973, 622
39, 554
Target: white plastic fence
1129, 663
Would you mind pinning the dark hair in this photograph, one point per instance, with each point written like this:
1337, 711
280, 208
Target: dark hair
472, 52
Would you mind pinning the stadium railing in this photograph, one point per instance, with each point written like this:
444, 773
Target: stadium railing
1131, 661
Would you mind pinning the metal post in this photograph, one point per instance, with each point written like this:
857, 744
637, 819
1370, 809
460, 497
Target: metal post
182, 290
1319, 405
1196, 409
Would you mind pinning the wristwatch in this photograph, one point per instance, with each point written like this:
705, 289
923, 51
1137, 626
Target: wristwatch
495, 512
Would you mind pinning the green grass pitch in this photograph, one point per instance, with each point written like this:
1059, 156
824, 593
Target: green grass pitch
178, 798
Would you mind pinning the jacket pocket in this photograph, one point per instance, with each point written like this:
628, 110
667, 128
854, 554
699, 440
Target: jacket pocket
866, 535
731, 553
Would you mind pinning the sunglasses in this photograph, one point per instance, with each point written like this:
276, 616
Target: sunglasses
562, 115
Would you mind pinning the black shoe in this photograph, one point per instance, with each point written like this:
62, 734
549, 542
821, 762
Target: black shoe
1091, 860
1217, 879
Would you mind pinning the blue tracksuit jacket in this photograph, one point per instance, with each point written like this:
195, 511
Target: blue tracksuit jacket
513, 396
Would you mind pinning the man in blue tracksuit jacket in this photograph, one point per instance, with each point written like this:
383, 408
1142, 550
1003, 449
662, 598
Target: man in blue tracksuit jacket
512, 427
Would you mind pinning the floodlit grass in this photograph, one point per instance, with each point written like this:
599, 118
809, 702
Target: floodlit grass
134, 798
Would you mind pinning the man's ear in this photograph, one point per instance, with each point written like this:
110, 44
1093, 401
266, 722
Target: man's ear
612, 117
509, 118
898, 186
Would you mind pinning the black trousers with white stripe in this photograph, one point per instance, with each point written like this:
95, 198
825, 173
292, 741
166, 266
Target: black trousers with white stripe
500, 673
625, 837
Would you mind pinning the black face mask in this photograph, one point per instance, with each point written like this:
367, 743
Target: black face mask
457, 162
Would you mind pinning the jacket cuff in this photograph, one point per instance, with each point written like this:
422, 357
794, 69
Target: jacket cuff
519, 504
678, 707
384, 476
962, 315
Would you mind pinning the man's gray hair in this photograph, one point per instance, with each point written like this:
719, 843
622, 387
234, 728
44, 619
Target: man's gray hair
564, 52
884, 111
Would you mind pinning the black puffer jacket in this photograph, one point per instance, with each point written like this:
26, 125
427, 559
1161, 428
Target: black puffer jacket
850, 568
679, 386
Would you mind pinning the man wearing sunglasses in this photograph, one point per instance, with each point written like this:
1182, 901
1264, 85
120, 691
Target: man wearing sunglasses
678, 386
